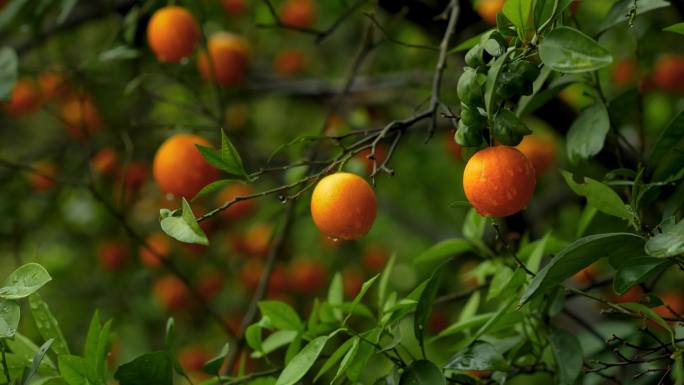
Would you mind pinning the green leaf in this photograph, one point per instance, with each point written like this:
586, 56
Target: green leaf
580, 254
9, 318
149, 369
253, 337
480, 355
467, 44
212, 187
10, 11
277, 340
8, 72
505, 280
568, 50
230, 156
302, 362
25, 281
29, 372
47, 325
505, 321
424, 306
600, 196
534, 260
647, 312
585, 219
76, 371
347, 359
501, 312
664, 158
214, 365
364, 289
384, 281
676, 28
121, 52
422, 372
470, 308
101, 351
440, 251
336, 356
65, 11
359, 360
474, 226
518, 12
637, 270
669, 241
336, 294
568, 355
281, 315
183, 228
587, 133
490, 85
92, 337
620, 12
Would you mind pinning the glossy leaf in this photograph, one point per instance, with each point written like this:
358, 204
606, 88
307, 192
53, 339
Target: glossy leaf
25, 281
669, 241
9, 318
281, 315
567, 353
637, 270
580, 254
302, 362
568, 50
47, 325
8, 72
600, 196
587, 134
148, 369
665, 160
676, 28
480, 355
183, 227
213, 366
621, 11
441, 251
518, 13
424, 306
422, 372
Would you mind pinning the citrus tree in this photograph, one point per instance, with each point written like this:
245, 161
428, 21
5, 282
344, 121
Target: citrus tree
345, 192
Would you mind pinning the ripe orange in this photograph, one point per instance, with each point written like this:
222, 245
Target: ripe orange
251, 275
487, 9
172, 33
352, 280
42, 179
374, 258
25, 98
80, 116
210, 284
668, 73
52, 85
192, 358
105, 161
161, 246
307, 276
179, 168
625, 73
343, 206
255, 242
229, 55
239, 209
298, 13
134, 174
113, 255
498, 181
237, 115
171, 293
234, 7
278, 283
674, 301
632, 295
540, 149
289, 62
587, 275
380, 156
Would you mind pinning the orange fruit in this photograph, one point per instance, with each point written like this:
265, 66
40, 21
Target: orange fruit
465, 277
239, 209
113, 255
632, 295
105, 161
487, 9
160, 244
498, 181
171, 293
234, 7
307, 277
438, 321
668, 73
374, 258
172, 33
587, 275
453, 147
352, 280
210, 284
43, 176
343, 206
298, 13
237, 115
289, 62
278, 283
625, 73
134, 174
380, 156
674, 301
24, 100
52, 85
80, 116
229, 55
179, 167
256, 240
192, 358
540, 148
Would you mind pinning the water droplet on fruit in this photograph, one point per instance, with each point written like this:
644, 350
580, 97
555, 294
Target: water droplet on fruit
334, 239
